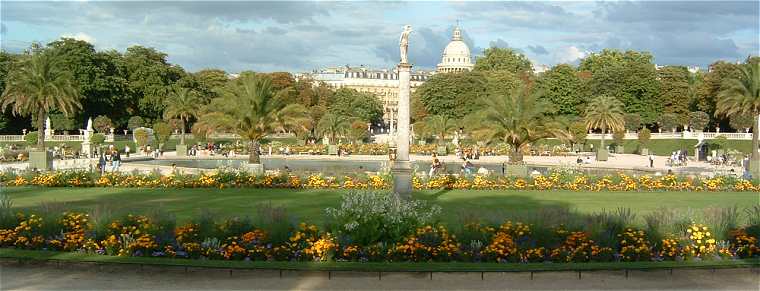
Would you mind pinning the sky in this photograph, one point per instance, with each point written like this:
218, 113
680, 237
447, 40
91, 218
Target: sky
299, 36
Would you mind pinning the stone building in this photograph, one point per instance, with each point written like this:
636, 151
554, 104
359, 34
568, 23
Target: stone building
456, 56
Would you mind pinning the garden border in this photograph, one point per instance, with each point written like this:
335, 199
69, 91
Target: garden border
66, 257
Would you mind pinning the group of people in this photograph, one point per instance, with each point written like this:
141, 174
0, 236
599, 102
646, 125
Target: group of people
467, 167
110, 157
678, 158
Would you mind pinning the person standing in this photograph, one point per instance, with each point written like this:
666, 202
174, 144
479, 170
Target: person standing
651, 161
127, 150
102, 163
115, 160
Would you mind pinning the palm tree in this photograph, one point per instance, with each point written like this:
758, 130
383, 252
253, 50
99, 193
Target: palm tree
39, 86
183, 104
333, 125
605, 112
741, 96
517, 118
250, 107
439, 125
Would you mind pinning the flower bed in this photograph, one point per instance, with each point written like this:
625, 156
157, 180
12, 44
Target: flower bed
410, 239
222, 179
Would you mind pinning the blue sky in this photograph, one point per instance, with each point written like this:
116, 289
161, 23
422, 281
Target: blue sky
302, 36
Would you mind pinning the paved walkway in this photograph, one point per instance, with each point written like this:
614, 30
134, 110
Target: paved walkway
119, 277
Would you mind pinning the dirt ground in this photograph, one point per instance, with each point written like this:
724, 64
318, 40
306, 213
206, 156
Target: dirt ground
50, 276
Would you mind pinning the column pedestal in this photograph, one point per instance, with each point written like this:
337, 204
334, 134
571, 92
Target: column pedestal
402, 167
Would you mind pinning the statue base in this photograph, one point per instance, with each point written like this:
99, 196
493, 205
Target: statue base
402, 178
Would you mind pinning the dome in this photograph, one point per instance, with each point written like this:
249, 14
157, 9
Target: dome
456, 55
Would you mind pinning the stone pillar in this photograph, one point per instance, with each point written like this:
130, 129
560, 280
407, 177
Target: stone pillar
402, 168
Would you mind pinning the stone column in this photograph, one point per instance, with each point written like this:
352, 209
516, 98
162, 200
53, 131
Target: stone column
402, 168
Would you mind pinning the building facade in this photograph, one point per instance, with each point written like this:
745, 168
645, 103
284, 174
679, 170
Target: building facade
381, 83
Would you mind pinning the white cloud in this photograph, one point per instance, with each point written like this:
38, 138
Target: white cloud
80, 36
569, 54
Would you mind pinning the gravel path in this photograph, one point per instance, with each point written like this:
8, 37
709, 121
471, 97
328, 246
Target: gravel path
118, 277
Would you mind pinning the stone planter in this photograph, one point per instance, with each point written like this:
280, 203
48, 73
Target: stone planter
41, 160
516, 171
181, 150
255, 169
602, 155
332, 149
441, 150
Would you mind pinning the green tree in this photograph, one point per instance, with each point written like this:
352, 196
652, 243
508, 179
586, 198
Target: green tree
334, 125
40, 86
669, 121
440, 125
183, 104
741, 122
141, 137
210, 83
503, 59
60, 121
453, 95
698, 120
644, 136
605, 113
251, 108
632, 121
102, 124
563, 87
517, 119
741, 96
162, 132
149, 75
630, 77
708, 91
578, 132
97, 139
358, 131
675, 91
351, 103
135, 122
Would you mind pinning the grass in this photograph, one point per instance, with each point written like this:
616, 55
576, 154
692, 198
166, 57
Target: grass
662, 147
309, 205
371, 267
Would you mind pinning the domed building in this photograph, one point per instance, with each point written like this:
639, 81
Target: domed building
456, 55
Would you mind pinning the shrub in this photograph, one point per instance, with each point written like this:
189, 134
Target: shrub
644, 136
141, 137
698, 120
162, 131
102, 124
31, 138
368, 217
97, 139
135, 122
668, 121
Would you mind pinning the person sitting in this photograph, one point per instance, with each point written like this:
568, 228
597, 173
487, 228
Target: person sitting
434, 166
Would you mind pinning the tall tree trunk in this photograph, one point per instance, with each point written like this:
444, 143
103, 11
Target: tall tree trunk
253, 153
41, 130
182, 131
516, 157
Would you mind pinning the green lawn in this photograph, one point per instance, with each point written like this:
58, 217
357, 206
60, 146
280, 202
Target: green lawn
309, 205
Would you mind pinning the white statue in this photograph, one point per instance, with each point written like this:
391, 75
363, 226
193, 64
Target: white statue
89, 124
48, 127
404, 43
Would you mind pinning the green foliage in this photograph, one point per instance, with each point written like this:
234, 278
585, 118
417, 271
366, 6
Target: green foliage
41, 85
605, 113
102, 124
563, 87
674, 91
161, 132
31, 138
698, 120
60, 121
141, 137
358, 131
182, 103
618, 136
644, 136
440, 126
503, 59
334, 126
453, 95
720, 142
632, 121
579, 132
209, 82
249, 107
362, 105
710, 87
135, 122
668, 121
741, 96
97, 139
740, 121
149, 77
631, 77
